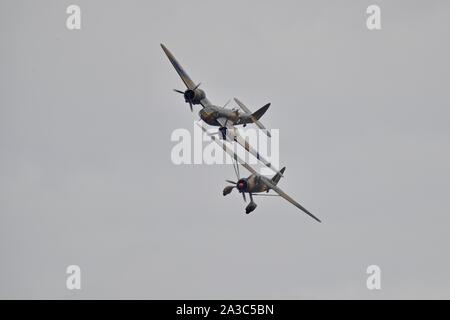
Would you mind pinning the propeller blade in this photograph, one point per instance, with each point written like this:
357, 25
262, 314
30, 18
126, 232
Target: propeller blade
190, 105
179, 91
232, 182
243, 196
197, 86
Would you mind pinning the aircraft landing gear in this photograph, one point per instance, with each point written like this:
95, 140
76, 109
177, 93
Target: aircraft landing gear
223, 131
251, 206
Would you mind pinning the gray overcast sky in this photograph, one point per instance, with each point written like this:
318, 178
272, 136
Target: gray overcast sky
85, 170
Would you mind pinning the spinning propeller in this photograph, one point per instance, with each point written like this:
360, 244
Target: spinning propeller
240, 185
189, 95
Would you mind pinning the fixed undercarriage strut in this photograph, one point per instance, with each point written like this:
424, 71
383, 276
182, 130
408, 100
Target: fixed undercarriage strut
223, 131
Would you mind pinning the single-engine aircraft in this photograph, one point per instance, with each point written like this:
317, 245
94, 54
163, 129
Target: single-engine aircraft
220, 116
255, 184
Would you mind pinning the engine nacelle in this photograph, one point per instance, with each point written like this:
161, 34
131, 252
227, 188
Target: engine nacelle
227, 190
251, 206
194, 96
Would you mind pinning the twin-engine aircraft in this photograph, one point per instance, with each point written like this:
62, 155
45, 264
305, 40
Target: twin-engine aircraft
211, 114
222, 117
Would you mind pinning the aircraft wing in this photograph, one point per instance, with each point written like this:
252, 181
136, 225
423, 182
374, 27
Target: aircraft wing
228, 150
257, 122
179, 69
288, 198
233, 135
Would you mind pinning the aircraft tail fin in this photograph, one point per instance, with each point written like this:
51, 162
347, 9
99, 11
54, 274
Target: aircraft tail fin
259, 113
278, 175
256, 115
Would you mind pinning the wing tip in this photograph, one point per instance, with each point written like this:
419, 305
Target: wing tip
315, 218
166, 51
